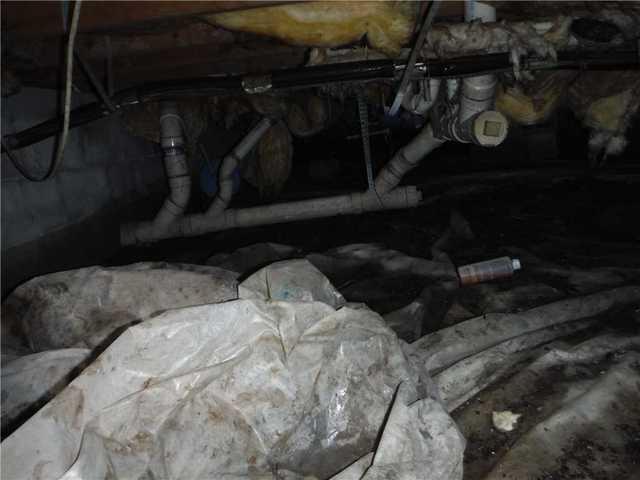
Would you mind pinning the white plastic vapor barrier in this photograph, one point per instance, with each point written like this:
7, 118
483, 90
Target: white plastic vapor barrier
87, 306
250, 388
30, 381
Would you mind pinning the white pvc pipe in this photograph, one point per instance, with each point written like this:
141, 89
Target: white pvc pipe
175, 163
479, 11
349, 204
417, 102
230, 163
406, 159
478, 93
172, 142
178, 175
176, 166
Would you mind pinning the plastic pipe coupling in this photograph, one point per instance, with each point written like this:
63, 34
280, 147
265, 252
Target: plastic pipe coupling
487, 129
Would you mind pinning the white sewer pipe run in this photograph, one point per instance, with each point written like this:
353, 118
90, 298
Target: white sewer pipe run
478, 93
180, 181
178, 175
175, 164
230, 163
406, 159
350, 204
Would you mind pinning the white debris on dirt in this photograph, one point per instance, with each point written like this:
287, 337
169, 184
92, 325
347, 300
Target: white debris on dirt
505, 421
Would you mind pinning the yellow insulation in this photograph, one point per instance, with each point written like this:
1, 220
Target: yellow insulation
526, 110
387, 24
608, 113
538, 102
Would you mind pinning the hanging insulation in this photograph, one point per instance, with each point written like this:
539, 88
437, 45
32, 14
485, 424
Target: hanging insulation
606, 102
536, 101
387, 24
270, 168
308, 116
459, 39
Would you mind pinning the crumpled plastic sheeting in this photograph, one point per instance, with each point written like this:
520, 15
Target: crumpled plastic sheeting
386, 24
440, 350
580, 415
85, 307
407, 321
404, 451
30, 381
362, 271
243, 388
292, 281
465, 378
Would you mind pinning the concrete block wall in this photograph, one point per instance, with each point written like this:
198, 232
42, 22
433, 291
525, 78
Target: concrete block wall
72, 219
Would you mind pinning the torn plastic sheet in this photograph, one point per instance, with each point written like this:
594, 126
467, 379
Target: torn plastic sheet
30, 381
445, 347
85, 307
242, 388
465, 378
419, 441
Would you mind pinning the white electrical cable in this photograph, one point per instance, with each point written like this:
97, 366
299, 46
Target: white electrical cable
68, 83
67, 104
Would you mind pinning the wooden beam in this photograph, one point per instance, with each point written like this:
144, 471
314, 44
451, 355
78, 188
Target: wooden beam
45, 18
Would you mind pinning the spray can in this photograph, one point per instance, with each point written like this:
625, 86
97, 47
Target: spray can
502, 267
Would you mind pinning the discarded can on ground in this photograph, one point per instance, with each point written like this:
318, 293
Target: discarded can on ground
502, 267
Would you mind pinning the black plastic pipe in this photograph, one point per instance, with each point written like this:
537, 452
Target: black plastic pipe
317, 75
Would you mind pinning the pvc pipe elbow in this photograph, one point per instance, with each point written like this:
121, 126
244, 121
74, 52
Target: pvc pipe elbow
487, 129
406, 159
478, 95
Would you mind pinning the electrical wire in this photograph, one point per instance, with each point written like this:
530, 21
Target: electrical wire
57, 160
